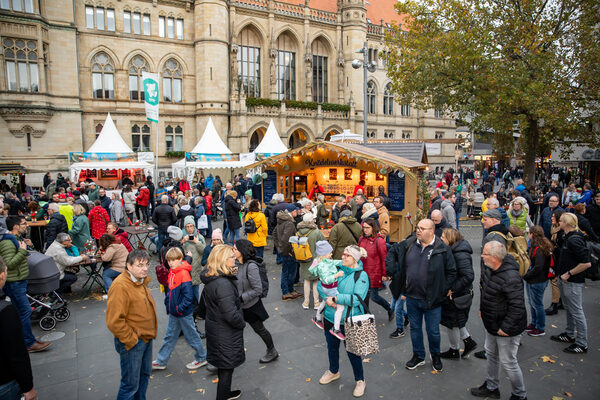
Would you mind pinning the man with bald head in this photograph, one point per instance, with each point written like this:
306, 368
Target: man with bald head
422, 268
440, 222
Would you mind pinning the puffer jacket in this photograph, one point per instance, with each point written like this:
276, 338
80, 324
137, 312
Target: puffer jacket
313, 234
447, 208
502, 303
232, 213
15, 258
258, 238
452, 317
224, 321
286, 227
179, 295
129, 201
164, 216
80, 232
56, 225
143, 197
124, 238
98, 219
248, 282
197, 249
441, 273
345, 233
374, 262
116, 254
184, 211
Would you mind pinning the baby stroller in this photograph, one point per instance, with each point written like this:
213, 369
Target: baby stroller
47, 305
478, 199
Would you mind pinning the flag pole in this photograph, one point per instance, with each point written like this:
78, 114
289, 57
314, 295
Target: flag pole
156, 157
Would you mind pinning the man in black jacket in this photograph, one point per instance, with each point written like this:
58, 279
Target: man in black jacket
56, 225
422, 268
592, 213
16, 379
502, 309
163, 216
440, 222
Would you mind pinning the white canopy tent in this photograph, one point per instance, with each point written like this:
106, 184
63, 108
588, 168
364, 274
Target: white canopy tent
271, 144
105, 151
346, 135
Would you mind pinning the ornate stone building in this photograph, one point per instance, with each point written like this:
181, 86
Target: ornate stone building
66, 63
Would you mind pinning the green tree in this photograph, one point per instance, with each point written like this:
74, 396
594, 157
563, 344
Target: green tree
535, 62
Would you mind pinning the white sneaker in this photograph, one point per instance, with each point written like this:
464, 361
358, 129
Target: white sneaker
196, 364
104, 296
305, 306
157, 366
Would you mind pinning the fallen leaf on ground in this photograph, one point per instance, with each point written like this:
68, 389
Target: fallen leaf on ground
151, 377
568, 394
548, 359
557, 398
168, 375
307, 379
276, 308
200, 390
366, 360
84, 307
554, 326
435, 372
264, 366
192, 372
216, 380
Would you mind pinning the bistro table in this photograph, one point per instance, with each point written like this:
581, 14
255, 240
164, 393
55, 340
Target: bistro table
139, 234
38, 226
93, 273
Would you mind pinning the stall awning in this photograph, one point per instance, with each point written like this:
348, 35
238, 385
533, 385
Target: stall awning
75, 169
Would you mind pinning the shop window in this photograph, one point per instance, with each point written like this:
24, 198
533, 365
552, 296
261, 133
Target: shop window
21, 60
371, 97
172, 82
137, 65
388, 100
140, 137
103, 70
174, 138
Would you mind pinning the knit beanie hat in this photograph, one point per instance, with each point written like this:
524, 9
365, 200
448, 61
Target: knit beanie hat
175, 233
189, 220
217, 234
345, 213
322, 248
356, 252
308, 217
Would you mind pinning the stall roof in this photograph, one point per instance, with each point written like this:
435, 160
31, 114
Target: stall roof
211, 142
271, 143
412, 150
109, 140
356, 150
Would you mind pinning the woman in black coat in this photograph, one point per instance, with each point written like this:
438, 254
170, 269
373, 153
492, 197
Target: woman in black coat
224, 321
455, 312
232, 215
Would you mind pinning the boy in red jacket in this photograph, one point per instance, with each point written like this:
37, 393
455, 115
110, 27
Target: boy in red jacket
178, 300
141, 203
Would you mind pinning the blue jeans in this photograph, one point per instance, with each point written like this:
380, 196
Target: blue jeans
162, 235
458, 214
260, 251
374, 295
196, 291
288, 274
109, 275
333, 353
136, 366
17, 291
398, 307
10, 391
235, 234
279, 258
175, 326
416, 310
535, 293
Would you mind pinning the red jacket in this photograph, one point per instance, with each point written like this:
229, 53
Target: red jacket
124, 238
315, 191
183, 185
208, 208
99, 219
143, 198
374, 263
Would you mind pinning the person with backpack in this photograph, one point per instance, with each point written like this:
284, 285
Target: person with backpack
311, 232
194, 243
574, 260
251, 290
344, 233
255, 225
286, 228
536, 279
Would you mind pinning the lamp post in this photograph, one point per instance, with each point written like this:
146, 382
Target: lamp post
366, 66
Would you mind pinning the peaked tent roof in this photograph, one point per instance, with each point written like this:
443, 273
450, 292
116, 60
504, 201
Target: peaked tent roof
109, 140
415, 151
211, 142
271, 143
346, 135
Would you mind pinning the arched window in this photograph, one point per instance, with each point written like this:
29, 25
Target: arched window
103, 78
248, 62
388, 100
286, 67
136, 87
371, 97
140, 137
172, 81
320, 70
297, 139
21, 60
256, 138
174, 138
98, 130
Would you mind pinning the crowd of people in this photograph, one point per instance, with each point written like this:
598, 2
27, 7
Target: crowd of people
219, 275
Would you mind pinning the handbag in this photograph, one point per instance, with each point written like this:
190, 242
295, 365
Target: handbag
203, 222
463, 302
361, 332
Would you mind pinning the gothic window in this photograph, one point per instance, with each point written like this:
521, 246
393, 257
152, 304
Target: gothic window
21, 60
286, 68
136, 87
319, 72
140, 137
103, 70
371, 97
174, 138
405, 110
172, 82
248, 63
388, 100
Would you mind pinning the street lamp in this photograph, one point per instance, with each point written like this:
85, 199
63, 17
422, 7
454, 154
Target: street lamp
366, 66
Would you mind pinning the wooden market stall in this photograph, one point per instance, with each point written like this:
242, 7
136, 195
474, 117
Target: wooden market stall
338, 168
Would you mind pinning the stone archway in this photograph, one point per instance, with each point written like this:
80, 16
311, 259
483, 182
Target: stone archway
255, 138
329, 134
298, 138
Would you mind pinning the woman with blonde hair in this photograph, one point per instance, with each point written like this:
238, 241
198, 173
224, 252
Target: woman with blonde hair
222, 310
80, 231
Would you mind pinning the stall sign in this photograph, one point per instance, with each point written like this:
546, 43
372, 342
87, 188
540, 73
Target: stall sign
76, 157
211, 157
396, 186
269, 185
330, 163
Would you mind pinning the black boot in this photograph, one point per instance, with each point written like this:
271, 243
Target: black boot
560, 305
470, 345
451, 354
553, 309
270, 355
481, 354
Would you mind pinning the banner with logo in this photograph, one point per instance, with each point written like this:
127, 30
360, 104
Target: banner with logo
211, 157
76, 157
150, 82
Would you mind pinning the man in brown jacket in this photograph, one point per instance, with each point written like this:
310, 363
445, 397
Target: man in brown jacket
384, 216
131, 317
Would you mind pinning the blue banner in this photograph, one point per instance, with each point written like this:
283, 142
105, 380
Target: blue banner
76, 157
211, 157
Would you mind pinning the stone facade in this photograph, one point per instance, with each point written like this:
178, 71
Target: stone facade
89, 54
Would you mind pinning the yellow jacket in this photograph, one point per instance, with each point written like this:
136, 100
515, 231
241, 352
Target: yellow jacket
484, 206
258, 238
67, 211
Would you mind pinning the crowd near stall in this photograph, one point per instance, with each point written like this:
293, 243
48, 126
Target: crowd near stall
344, 221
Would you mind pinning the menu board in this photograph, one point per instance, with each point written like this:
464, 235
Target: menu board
269, 185
396, 191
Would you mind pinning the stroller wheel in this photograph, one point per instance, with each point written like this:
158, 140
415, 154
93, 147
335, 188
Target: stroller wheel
47, 323
62, 314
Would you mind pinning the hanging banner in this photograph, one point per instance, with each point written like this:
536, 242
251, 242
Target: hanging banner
76, 157
150, 82
211, 157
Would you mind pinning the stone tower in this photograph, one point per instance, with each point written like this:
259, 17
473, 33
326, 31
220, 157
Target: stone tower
354, 34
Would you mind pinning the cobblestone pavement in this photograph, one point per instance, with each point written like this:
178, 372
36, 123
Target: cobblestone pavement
84, 365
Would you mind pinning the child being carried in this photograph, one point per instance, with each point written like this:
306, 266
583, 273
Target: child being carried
328, 271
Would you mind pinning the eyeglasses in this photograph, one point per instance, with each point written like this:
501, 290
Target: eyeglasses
423, 229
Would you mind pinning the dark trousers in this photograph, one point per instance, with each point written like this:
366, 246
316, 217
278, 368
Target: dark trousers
374, 295
333, 353
288, 274
144, 212
265, 335
224, 384
66, 282
260, 251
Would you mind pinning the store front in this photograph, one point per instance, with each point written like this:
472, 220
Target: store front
587, 159
338, 168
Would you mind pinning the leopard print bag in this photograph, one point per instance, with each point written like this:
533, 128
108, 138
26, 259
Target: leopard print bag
361, 332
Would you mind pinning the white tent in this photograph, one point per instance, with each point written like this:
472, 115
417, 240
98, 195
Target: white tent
109, 144
210, 143
271, 143
346, 135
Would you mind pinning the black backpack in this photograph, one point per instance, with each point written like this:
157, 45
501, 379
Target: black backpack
262, 271
593, 272
250, 226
